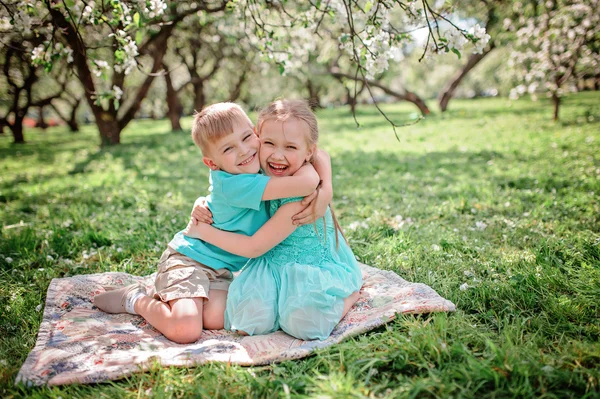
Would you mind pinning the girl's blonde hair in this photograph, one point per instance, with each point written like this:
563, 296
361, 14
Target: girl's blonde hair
281, 111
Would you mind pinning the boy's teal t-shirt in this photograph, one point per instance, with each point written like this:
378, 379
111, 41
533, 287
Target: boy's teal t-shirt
237, 206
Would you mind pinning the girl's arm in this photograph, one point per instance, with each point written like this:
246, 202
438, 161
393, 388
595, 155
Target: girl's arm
277, 229
302, 183
322, 164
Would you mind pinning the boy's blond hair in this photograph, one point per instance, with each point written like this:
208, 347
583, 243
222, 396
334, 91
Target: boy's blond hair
214, 122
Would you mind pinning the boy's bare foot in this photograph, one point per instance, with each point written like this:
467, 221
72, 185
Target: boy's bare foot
116, 300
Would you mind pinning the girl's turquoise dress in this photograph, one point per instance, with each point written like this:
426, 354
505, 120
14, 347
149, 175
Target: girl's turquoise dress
298, 286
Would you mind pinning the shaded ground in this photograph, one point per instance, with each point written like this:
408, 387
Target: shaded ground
494, 206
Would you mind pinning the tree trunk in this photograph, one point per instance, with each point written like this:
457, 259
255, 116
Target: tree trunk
173, 103
72, 122
234, 94
17, 131
352, 97
109, 128
41, 122
199, 98
450, 88
351, 100
556, 102
314, 99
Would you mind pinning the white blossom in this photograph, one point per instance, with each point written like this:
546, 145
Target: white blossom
156, 9
398, 222
117, 92
482, 38
456, 39
358, 224
129, 62
549, 49
87, 11
98, 66
69, 52
5, 24
480, 226
38, 53
22, 20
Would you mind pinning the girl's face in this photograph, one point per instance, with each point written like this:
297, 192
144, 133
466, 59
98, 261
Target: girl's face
284, 146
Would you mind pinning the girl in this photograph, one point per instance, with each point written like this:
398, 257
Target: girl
302, 279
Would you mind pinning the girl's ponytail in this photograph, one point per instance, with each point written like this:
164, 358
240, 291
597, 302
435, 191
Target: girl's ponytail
337, 228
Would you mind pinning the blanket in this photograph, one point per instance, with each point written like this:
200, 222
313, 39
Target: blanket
78, 343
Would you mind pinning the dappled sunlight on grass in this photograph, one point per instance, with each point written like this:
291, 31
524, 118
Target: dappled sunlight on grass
492, 204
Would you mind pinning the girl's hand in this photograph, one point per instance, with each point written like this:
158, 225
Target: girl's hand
201, 213
315, 207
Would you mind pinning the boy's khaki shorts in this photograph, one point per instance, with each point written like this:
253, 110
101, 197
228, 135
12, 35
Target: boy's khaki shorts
182, 277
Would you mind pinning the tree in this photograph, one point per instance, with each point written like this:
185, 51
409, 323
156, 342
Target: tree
105, 41
372, 34
205, 46
173, 103
110, 39
555, 47
493, 15
22, 80
66, 107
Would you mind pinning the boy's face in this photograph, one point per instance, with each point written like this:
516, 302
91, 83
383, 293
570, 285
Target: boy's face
236, 153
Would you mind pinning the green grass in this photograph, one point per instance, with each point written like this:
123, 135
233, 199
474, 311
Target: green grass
491, 195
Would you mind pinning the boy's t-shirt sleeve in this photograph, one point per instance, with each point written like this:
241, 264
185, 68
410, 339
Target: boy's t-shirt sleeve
245, 190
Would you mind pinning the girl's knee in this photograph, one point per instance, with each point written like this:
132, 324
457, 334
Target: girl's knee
253, 318
308, 323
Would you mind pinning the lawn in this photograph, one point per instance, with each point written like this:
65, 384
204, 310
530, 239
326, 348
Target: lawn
492, 204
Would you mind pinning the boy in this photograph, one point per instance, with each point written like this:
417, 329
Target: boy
193, 276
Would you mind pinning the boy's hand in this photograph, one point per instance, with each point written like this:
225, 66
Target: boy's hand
201, 213
315, 207
194, 230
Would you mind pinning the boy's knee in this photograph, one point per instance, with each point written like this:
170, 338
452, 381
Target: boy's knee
213, 318
184, 331
213, 312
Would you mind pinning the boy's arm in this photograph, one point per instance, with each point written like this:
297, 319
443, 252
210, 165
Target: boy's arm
301, 184
277, 229
315, 205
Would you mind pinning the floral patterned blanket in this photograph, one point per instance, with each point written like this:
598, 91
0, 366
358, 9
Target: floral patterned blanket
78, 343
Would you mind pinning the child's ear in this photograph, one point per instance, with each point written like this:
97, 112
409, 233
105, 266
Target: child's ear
311, 151
210, 163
